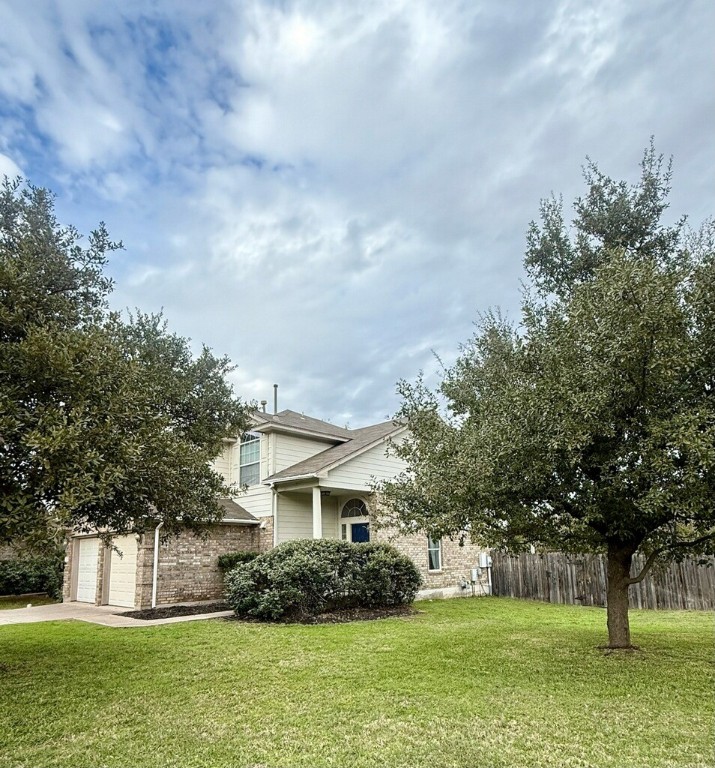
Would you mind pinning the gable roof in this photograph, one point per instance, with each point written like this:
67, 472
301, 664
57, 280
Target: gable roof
298, 423
360, 440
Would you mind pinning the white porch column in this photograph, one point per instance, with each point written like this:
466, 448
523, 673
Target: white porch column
317, 514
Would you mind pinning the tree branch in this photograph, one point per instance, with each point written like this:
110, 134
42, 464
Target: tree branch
654, 555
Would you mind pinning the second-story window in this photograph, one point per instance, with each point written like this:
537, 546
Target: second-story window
249, 459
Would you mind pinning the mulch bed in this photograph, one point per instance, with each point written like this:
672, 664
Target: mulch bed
332, 617
338, 617
169, 611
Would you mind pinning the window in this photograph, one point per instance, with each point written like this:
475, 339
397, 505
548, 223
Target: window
355, 508
249, 459
434, 554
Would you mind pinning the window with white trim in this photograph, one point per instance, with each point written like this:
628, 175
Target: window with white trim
249, 459
354, 508
434, 554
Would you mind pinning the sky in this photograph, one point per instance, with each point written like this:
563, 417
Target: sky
329, 193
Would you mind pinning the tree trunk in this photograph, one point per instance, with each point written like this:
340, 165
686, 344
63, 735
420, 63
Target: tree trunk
618, 570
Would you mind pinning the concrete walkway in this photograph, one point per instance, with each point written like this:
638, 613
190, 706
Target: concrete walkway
94, 614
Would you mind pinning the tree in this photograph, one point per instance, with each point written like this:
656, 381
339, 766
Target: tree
104, 423
591, 426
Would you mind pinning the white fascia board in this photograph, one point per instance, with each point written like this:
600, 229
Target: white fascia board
291, 479
292, 484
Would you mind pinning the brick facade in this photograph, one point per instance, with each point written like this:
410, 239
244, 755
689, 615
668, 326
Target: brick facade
453, 579
70, 565
188, 564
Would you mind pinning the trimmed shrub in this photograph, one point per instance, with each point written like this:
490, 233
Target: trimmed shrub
231, 559
304, 578
387, 576
21, 575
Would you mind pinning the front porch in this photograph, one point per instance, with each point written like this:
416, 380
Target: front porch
318, 512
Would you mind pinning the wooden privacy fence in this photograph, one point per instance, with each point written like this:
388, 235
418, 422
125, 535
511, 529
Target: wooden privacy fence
581, 580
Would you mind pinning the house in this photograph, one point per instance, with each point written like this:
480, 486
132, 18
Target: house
296, 477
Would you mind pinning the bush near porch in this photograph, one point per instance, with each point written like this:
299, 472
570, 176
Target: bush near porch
230, 560
305, 578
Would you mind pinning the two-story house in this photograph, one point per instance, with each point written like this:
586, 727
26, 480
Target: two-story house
295, 477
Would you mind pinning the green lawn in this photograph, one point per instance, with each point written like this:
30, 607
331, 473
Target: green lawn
477, 683
22, 601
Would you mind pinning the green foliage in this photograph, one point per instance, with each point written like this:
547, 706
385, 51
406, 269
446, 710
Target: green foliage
21, 575
231, 559
104, 423
304, 578
591, 426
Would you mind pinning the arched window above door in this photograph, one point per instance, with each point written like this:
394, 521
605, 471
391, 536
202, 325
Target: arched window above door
354, 508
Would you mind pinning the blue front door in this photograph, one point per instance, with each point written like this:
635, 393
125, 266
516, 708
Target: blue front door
360, 532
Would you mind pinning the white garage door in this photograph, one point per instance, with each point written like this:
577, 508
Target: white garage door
87, 570
123, 572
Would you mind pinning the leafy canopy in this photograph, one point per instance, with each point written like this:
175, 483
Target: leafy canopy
104, 422
591, 425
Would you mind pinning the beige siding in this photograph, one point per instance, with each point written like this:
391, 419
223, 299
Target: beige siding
295, 516
290, 450
330, 517
268, 455
267, 444
256, 500
356, 474
222, 464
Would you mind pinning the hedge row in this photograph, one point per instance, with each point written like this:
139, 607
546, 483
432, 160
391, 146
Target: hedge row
300, 579
19, 576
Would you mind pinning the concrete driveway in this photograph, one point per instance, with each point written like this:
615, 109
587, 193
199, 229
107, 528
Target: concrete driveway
95, 614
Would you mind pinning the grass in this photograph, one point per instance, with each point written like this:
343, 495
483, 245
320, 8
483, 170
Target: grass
22, 601
486, 683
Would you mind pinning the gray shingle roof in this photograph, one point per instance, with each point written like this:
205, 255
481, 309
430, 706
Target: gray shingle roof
359, 439
292, 420
234, 513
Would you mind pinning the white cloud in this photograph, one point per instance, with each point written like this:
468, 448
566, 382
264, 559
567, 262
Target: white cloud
9, 167
328, 192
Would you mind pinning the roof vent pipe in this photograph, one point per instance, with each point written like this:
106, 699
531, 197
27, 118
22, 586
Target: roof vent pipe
275, 398
263, 405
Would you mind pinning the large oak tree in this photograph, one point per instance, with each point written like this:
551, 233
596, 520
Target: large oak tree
590, 426
105, 423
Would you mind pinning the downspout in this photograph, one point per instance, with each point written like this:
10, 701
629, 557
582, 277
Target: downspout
156, 564
274, 510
